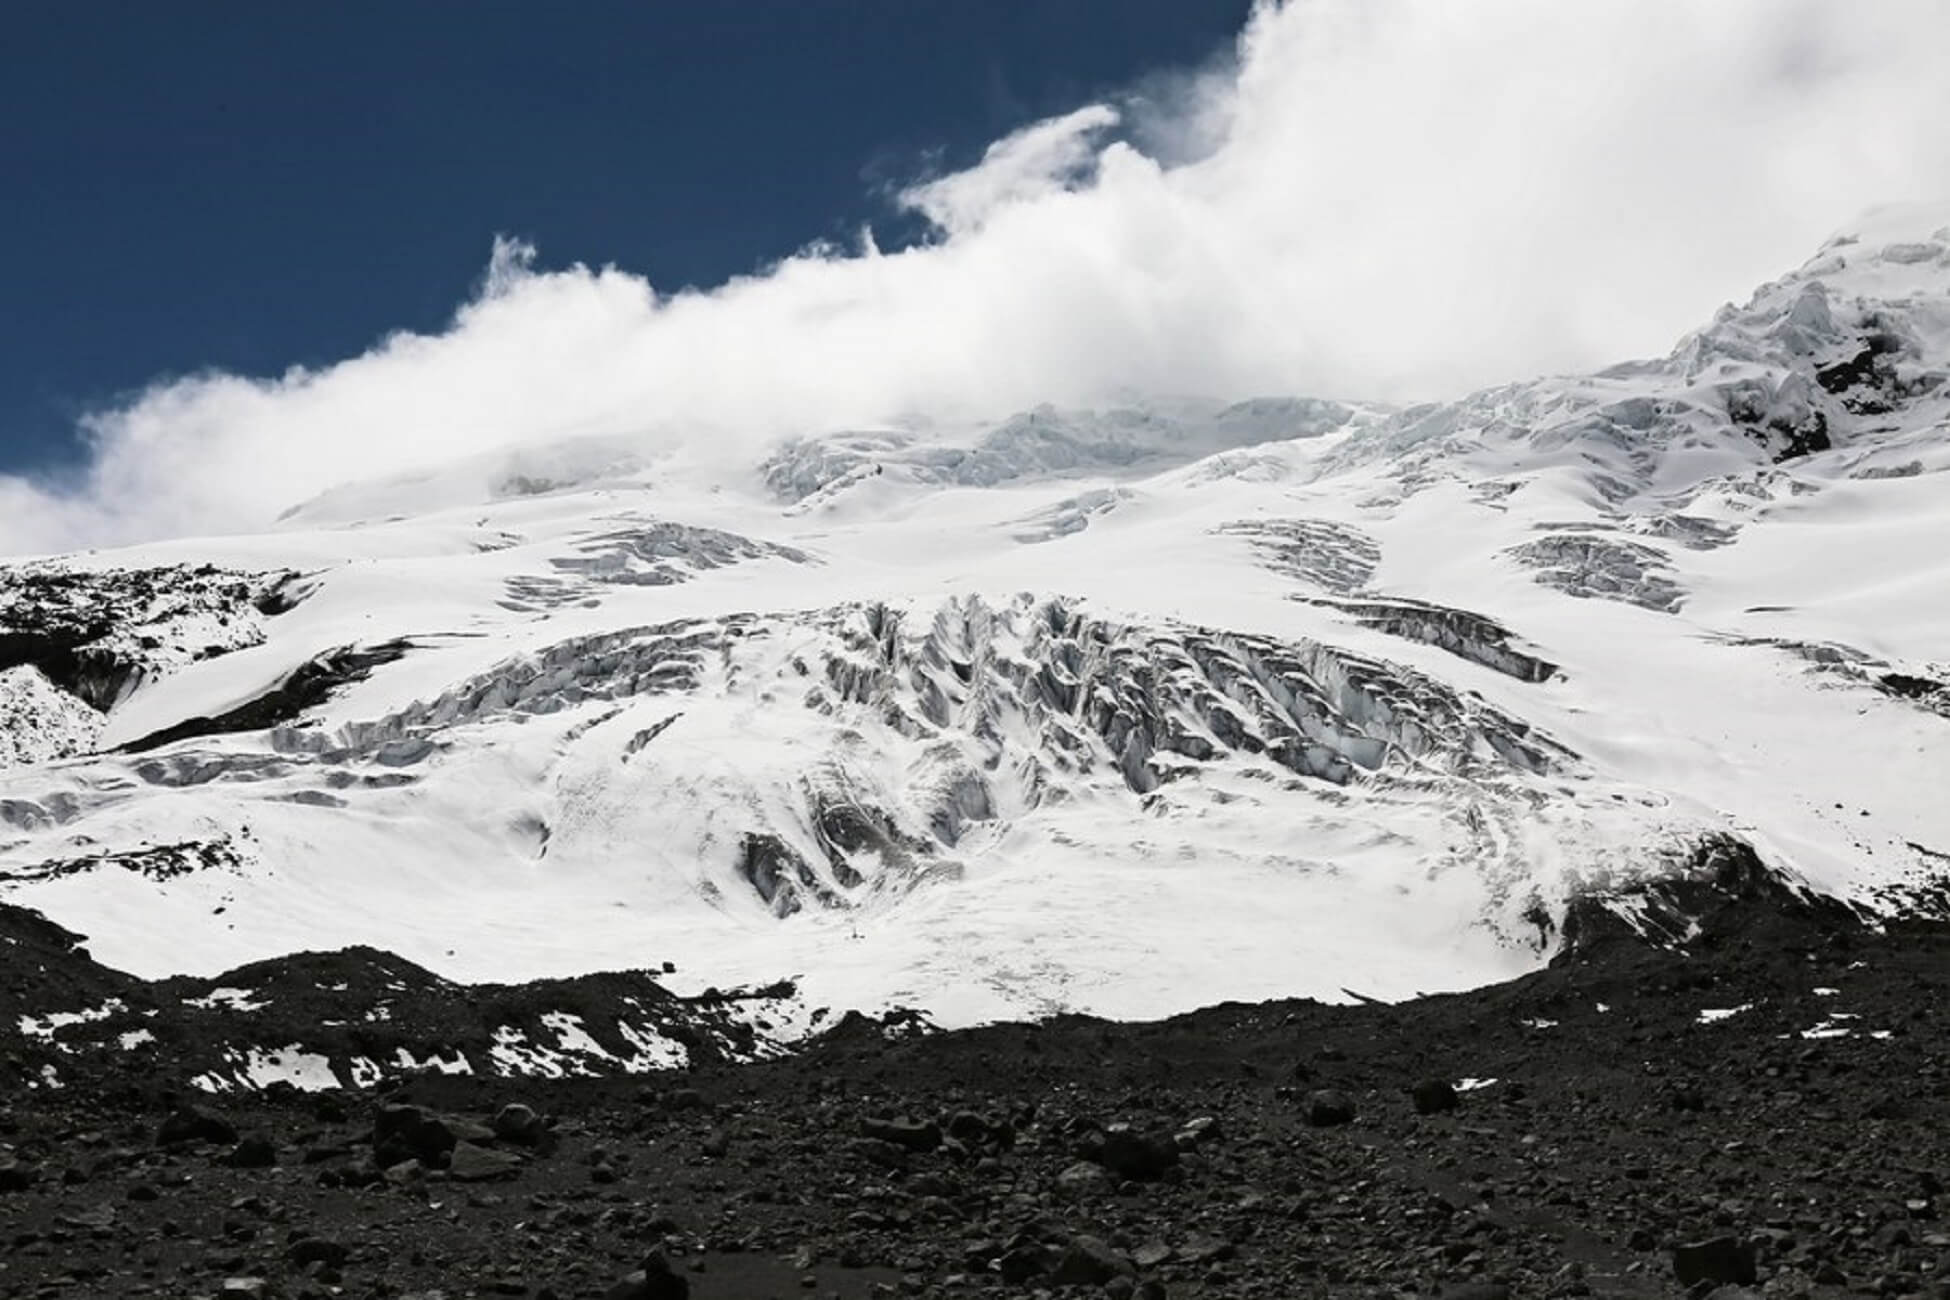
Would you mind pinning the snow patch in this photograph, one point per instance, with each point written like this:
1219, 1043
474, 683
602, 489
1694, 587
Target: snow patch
1713, 1015
227, 999
45, 1027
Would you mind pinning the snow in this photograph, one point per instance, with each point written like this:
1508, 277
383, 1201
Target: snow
1073, 710
45, 1027
438, 1062
576, 1052
653, 1050
226, 999
512, 1053
256, 1068
1832, 1026
1713, 1015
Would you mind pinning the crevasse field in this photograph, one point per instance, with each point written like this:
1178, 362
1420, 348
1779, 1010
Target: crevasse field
1123, 710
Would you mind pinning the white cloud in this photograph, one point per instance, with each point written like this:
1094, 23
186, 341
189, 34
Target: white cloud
1387, 198
1038, 161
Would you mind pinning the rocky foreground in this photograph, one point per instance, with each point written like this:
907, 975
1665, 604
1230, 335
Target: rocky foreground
1760, 1110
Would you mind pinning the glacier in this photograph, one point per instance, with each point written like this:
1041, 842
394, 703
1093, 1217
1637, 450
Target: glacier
1123, 710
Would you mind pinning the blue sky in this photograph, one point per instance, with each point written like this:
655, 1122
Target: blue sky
248, 187
1074, 202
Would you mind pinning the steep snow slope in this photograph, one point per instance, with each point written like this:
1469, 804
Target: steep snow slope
1124, 711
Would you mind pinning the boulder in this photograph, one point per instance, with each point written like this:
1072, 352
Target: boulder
471, 1164
656, 1280
1132, 1155
1089, 1261
1435, 1097
1327, 1108
190, 1124
1083, 1178
515, 1122
307, 1251
253, 1153
920, 1136
402, 1133
1722, 1260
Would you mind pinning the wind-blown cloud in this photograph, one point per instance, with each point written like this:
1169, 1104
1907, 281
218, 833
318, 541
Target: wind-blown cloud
1381, 198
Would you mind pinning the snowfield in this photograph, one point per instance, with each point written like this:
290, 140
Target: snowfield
1122, 711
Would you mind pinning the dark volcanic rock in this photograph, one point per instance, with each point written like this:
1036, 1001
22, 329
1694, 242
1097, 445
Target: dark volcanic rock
189, 1124
472, 1164
656, 1280
309, 1251
1088, 1261
253, 1153
1327, 1108
515, 1122
1134, 1155
402, 1133
911, 1135
1435, 1097
1719, 1259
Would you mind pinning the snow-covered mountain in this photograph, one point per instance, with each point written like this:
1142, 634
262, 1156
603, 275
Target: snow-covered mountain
1121, 710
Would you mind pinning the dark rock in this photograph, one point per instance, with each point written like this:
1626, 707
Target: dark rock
920, 1136
1474, 1291
15, 1176
1083, 1178
656, 1280
515, 1122
1206, 1249
471, 1164
875, 1151
1327, 1108
1718, 1260
188, 1124
1133, 1155
402, 1133
968, 1128
253, 1153
1435, 1097
1026, 1263
308, 1251
1088, 1261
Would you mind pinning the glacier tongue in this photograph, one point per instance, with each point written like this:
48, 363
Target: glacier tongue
1124, 710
